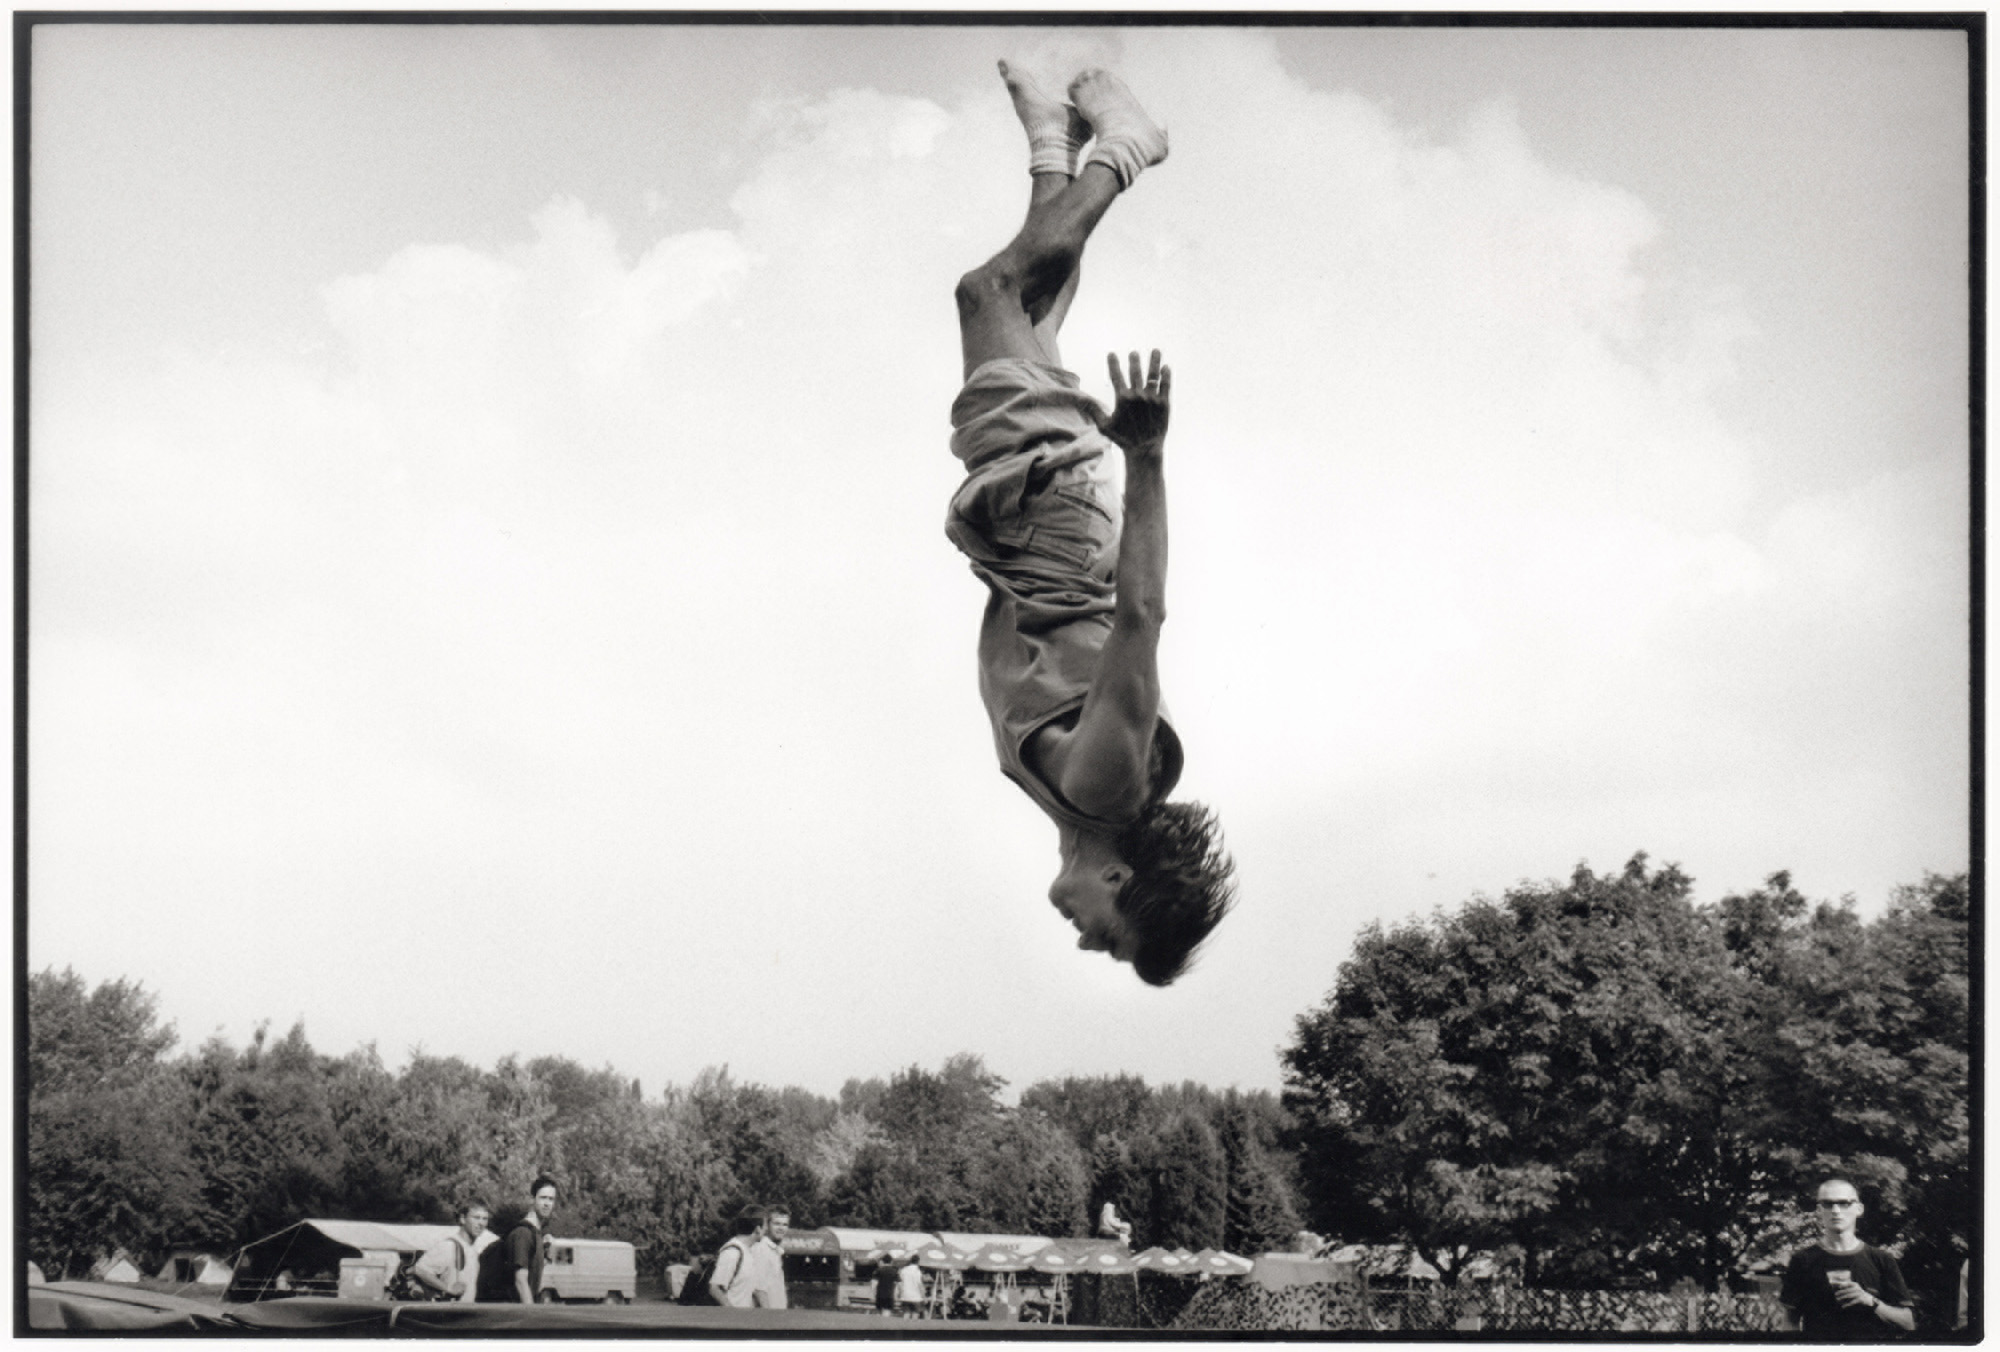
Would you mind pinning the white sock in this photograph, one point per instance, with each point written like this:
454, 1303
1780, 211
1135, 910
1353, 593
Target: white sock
1056, 131
1127, 140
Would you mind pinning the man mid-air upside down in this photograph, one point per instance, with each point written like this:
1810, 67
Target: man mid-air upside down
1068, 646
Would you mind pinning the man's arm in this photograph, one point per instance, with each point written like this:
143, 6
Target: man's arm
1901, 1316
521, 1244
431, 1268
1892, 1306
1104, 765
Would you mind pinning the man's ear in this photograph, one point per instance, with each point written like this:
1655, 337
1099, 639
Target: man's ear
1116, 875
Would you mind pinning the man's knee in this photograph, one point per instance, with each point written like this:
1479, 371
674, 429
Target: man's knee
986, 284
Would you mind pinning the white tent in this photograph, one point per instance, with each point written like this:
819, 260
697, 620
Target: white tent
195, 1267
119, 1267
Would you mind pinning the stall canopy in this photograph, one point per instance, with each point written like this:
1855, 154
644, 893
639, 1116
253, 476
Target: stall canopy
966, 1242
999, 1258
1165, 1260
933, 1254
1219, 1264
310, 1248
1279, 1270
832, 1239
1109, 1261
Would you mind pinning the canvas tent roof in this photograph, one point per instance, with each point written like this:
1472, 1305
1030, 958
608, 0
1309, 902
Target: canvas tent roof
118, 1267
850, 1240
380, 1236
200, 1266
971, 1243
319, 1245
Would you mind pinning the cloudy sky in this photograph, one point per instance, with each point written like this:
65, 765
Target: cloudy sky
487, 496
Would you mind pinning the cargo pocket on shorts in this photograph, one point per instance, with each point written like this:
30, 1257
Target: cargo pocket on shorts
1070, 525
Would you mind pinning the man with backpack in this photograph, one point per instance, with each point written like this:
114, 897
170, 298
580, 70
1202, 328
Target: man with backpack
510, 1272
442, 1269
734, 1280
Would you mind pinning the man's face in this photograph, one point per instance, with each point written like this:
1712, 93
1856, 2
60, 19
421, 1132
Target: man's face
474, 1221
778, 1226
545, 1201
1087, 896
1839, 1208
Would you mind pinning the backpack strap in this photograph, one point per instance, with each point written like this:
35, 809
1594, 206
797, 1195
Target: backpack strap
742, 1252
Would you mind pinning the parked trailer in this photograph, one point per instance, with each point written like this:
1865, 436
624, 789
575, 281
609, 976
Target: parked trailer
827, 1269
590, 1269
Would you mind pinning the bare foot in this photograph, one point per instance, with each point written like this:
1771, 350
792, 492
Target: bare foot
1127, 139
1042, 116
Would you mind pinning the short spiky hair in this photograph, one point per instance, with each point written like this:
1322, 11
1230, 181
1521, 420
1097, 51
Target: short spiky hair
1181, 886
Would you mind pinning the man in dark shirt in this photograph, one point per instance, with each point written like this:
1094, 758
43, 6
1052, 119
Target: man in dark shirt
513, 1274
1840, 1289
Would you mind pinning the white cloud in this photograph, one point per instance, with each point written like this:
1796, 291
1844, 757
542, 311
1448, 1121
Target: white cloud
596, 588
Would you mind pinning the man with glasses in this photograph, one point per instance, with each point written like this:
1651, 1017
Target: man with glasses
1840, 1289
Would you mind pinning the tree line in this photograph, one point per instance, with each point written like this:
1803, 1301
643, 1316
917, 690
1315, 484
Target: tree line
130, 1148
1597, 1080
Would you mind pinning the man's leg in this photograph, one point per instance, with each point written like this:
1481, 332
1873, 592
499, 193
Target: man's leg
1013, 305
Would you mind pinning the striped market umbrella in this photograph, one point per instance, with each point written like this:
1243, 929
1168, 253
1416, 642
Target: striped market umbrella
998, 1258
1221, 1264
1057, 1260
940, 1255
1109, 1261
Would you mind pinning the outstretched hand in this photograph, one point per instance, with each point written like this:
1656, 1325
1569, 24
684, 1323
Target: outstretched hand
1139, 420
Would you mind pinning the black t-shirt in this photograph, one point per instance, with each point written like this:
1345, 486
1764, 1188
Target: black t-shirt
521, 1248
1809, 1295
885, 1287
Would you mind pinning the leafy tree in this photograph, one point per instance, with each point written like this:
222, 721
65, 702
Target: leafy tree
862, 1096
80, 1039
1629, 1086
1116, 1177
695, 1189
520, 1114
1187, 1184
879, 1190
596, 1127
108, 1165
1088, 1107
1258, 1215
361, 1097
939, 1128
1031, 1178
263, 1137
1517, 1071
444, 1136
765, 1140
835, 1147
1866, 1065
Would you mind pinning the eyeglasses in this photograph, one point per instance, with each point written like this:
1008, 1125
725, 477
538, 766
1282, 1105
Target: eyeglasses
1826, 1202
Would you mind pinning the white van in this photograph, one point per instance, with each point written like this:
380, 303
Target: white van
590, 1269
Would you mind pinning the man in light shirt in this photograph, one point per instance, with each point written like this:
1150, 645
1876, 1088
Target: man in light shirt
450, 1267
767, 1260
